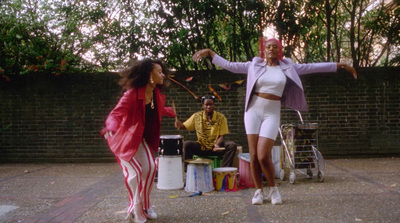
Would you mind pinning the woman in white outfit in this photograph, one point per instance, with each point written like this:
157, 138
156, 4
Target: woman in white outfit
271, 82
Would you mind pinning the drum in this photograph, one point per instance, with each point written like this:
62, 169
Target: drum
170, 145
225, 178
170, 173
199, 178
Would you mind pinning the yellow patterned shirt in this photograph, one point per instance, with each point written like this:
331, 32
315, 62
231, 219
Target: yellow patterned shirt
207, 131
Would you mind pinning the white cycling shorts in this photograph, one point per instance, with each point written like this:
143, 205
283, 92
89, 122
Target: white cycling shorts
263, 117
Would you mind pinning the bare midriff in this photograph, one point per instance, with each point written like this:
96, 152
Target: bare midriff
268, 96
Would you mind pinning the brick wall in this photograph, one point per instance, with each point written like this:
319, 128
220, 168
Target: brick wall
58, 119
55, 119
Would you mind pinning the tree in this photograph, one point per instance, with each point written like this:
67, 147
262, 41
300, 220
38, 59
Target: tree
27, 45
40, 36
62, 36
55, 36
231, 27
361, 32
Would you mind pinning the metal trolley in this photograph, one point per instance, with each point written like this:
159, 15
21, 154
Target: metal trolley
299, 143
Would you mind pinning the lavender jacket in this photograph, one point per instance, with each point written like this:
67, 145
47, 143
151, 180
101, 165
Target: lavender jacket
293, 94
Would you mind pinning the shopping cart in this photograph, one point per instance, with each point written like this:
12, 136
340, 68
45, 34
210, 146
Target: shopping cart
299, 143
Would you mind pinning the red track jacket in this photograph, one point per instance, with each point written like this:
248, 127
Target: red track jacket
130, 111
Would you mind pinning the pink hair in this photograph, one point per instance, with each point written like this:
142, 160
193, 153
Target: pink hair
263, 41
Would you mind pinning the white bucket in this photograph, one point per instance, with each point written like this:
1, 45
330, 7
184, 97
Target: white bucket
276, 160
170, 173
199, 178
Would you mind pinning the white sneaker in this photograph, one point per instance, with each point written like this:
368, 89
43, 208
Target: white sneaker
258, 197
133, 219
275, 196
138, 215
269, 195
150, 214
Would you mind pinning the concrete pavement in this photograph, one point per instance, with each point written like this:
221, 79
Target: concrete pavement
354, 190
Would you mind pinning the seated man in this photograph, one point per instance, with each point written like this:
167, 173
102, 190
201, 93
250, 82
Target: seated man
210, 126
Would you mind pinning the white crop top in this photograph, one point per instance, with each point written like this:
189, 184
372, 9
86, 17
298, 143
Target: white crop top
272, 81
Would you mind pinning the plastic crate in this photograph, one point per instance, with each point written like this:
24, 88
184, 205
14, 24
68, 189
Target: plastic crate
217, 161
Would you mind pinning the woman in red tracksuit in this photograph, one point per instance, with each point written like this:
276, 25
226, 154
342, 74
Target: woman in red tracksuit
139, 109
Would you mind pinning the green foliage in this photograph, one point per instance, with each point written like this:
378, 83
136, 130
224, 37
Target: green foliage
53, 37
5, 127
362, 32
230, 27
26, 45
62, 36
40, 36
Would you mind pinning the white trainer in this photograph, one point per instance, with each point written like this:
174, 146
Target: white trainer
137, 215
150, 214
258, 197
268, 196
133, 219
275, 196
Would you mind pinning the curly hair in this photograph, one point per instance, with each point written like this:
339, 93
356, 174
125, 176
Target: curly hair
138, 75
